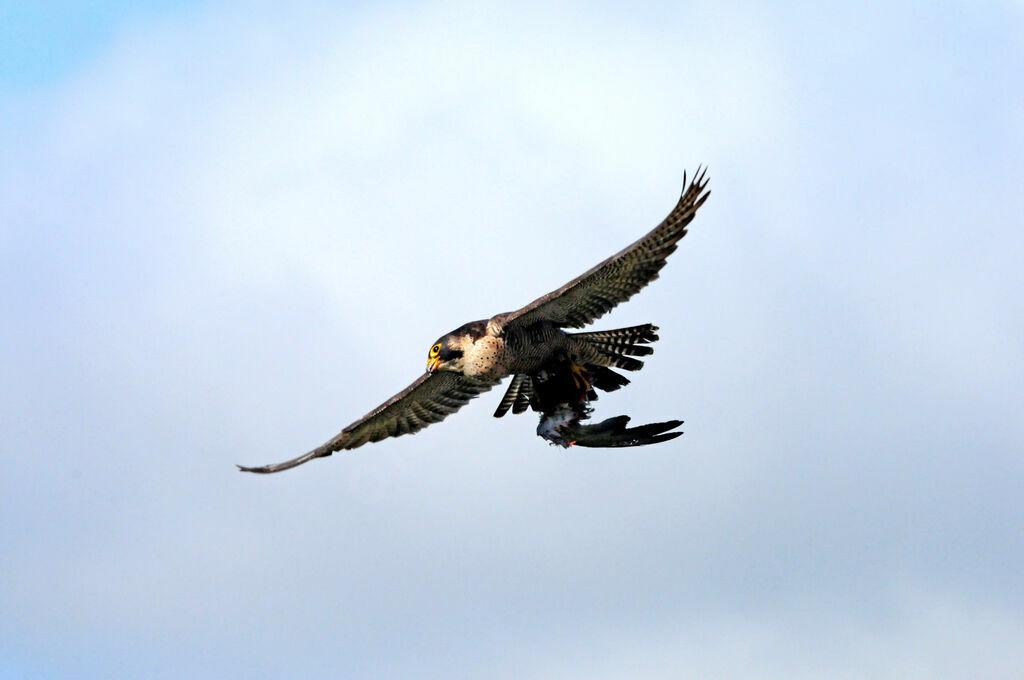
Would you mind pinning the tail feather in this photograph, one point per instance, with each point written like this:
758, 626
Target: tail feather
604, 378
511, 395
613, 433
525, 396
617, 347
517, 397
623, 362
644, 333
600, 352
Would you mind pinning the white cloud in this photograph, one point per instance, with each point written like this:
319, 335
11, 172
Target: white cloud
926, 635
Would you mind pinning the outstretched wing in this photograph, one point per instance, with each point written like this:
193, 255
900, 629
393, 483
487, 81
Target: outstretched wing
430, 399
621, 276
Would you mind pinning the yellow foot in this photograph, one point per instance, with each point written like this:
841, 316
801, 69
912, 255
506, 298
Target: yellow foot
580, 378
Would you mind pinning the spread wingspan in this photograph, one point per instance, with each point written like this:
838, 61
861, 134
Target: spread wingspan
622, 275
430, 399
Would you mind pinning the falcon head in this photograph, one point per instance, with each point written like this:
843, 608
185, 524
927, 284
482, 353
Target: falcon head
446, 354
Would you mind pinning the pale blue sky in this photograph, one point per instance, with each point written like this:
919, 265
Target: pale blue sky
227, 230
46, 42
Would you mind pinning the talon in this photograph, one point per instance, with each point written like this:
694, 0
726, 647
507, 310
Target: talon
580, 378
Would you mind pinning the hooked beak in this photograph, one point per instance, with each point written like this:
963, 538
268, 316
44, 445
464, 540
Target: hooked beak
432, 364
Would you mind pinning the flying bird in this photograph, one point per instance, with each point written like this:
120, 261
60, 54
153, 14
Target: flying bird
554, 372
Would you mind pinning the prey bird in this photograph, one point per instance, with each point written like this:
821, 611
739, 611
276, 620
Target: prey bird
554, 372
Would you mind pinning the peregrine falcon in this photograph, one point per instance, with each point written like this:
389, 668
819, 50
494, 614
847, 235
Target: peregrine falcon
554, 373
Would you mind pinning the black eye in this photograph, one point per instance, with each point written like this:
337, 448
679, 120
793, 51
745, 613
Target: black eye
435, 350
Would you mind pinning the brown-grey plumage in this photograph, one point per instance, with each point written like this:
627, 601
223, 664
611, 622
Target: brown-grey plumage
621, 276
429, 399
529, 342
598, 352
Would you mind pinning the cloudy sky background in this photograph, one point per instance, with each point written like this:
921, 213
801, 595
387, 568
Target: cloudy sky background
227, 230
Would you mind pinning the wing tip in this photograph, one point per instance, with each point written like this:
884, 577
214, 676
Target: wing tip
320, 452
694, 190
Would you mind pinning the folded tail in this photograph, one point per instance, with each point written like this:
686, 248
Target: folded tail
614, 433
